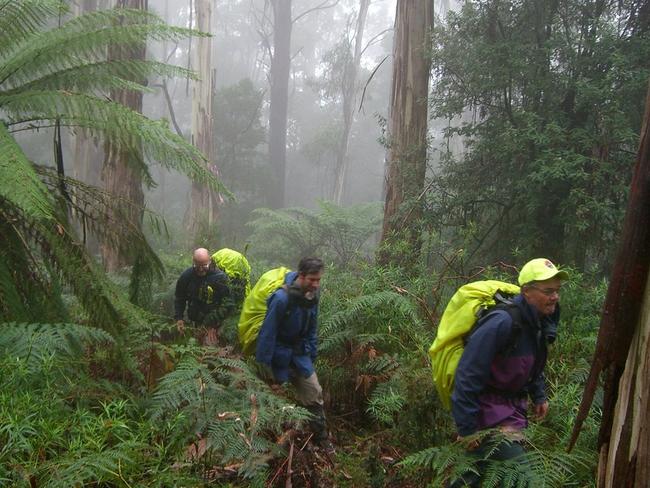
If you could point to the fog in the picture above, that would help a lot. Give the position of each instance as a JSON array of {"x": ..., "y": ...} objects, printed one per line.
[{"x": 323, "y": 37}]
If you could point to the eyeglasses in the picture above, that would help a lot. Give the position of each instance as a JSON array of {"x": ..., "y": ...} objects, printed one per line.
[
  {"x": 201, "y": 266},
  {"x": 549, "y": 292}
]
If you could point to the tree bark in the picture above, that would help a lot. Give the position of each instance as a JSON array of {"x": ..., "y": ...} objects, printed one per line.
[
  {"x": 120, "y": 174},
  {"x": 203, "y": 209},
  {"x": 407, "y": 129},
  {"x": 280, "y": 66},
  {"x": 349, "y": 92},
  {"x": 622, "y": 348}
]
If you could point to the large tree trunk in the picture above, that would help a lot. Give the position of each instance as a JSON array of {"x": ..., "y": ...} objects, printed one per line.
[
  {"x": 407, "y": 129},
  {"x": 121, "y": 178},
  {"x": 202, "y": 212},
  {"x": 622, "y": 348},
  {"x": 349, "y": 92},
  {"x": 280, "y": 65}
]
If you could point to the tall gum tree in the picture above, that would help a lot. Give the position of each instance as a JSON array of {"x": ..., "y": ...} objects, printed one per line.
[
  {"x": 407, "y": 128},
  {"x": 280, "y": 66},
  {"x": 121, "y": 177},
  {"x": 348, "y": 92},
  {"x": 204, "y": 204}
]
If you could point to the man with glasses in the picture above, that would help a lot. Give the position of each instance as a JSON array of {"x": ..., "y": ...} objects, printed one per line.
[
  {"x": 502, "y": 367},
  {"x": 203, "y": 290}
]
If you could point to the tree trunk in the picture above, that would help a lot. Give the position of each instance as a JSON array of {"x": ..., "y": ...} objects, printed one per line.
[
  {"x": 120, "y": 174},
  {"x": 280, "y": 65},
  {"x": 349, "y": 92},
  {"x": 622, "y": 348},
  {"x": 202, "y": 212},
  {"x": 407, "y": 129}
]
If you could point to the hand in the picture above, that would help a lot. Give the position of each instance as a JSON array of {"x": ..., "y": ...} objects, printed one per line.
[
  {"x": 541, "y": 410},
  {"x": 180, "y": 326},
  {"x": 469, "y": 442}
]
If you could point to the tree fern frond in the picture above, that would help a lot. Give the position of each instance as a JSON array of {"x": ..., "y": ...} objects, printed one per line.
[
  {"x": 34, "y": 344},
  {"x": 105, "y": 75},
  {"x": 127, "y": 129},
  {"x": 83, "y": 39},
  {"x": 19, "y": 184},
  {"x": 109, "y": 218},
  {"x": 21, "y": 20}
]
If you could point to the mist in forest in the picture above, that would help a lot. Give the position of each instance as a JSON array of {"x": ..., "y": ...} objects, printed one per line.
[{"x": 324, "y": 49}]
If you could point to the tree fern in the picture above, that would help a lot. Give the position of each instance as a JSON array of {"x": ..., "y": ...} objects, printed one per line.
[{"x": 62, "y": 75}]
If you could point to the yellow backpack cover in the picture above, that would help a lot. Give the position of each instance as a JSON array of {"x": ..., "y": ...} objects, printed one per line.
[
  {"x": 254, "y": 308},
  {"x": 234, "y": 264},
  {"x": 457, "y": 320}
]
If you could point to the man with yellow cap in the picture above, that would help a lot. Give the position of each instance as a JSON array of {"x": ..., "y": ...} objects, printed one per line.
[{"x": 502, "y": 368}]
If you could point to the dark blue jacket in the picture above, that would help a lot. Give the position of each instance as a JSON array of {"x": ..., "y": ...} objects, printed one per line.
[
  {"x": 288, "y": 338},
  {"x": 498, "y": 371},
  {"x": 201, "y": 295}
]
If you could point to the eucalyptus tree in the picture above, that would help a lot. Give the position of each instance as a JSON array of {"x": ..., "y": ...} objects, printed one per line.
[
  {"x": 407, "y": 130},
  {"x": 202, "y": 212},
  {"x": 348, "y": 92},
  {"x": 123, "y": 179},
  {"x": 61, "y": 75}
]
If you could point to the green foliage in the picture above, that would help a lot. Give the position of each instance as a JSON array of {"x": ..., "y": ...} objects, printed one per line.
[
  {"x": 61, "y": 76},
  {"x": 547, "y": 100},
  {"x": 337, "y": 234}
]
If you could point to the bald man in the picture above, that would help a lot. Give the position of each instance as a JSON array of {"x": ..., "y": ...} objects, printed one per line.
[{"x": 203, "y": 290}]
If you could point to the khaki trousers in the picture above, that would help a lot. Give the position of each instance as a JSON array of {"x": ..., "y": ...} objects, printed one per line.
[{"x": 308, "y": 390}]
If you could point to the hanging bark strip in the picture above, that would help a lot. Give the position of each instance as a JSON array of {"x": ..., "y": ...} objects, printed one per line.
[{"x": 619, "y": 324}]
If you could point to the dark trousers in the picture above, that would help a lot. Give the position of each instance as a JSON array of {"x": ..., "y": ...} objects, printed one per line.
[{"x": 489, "y": 451}]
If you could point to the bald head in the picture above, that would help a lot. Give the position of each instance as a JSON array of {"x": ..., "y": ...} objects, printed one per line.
[
  {"x": 201, "y": 261},
  {"x": 201, "y": 254}
]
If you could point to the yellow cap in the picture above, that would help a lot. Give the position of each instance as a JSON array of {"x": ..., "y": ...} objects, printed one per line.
[{"x": 540, "y": 269}]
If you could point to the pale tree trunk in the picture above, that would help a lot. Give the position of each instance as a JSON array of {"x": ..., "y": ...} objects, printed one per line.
[
  {"x": 202, "y": 212},
  {"x": 121, "y": 178},
  {"x": 88, "y": 149},
  {"x": 349, "y": 90},
  {"x": 407, "y": 128},
  {"x": 622, "y": 351},
  {"x": 280, "y": 66}
]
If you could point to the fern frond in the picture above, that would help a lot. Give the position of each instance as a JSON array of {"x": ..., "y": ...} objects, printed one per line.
[
  {"x": 21, "y": 20},
  {"x": 83, "y": 40},
  {"x": 127, "y": 129},
  {"x": 105, "y": 75}
]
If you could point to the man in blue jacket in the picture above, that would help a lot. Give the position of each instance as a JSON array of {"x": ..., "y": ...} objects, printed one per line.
[
  {"x": 502, "y": 367},
  {"x": 287, "y": 343},
  {"x": 203, "y": 290}
]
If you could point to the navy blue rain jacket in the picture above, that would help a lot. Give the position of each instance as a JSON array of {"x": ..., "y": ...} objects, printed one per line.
[
  {"x": 495, "y": 377},
  {"x": 199, "y": 294},
  {"x": 288, "y": 338}
]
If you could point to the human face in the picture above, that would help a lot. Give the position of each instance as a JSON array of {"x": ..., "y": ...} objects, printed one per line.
[
  {"x": 201, "y": 265},
  {"x": 543, "y": 295},
  {"x": 309, "y": 283}
]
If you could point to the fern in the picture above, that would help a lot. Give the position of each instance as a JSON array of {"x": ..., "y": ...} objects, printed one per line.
[
  {"x": 60, "y": 75},
  {"x": 34, "y": 344}
]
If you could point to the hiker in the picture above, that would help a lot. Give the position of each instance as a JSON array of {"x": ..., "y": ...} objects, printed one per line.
[
  {"x": 236, "y": 266},
  {"x": 502, "y": 366},
  {"x": 203, "y": 290},
  {"x": 287, "y": 341}
]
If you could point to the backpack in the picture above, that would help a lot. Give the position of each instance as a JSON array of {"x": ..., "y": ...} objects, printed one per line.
[
  {"x": 234, "y": 264},
  {"x": 470, "y": 303},
  {"x": 254, "y": 308}
]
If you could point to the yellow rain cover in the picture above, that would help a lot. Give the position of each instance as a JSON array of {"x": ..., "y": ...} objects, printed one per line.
[
  {"x": 457, "y": 320},
  {"x": 234, "y": 264},
  {"x": 254, "y": 308}
]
